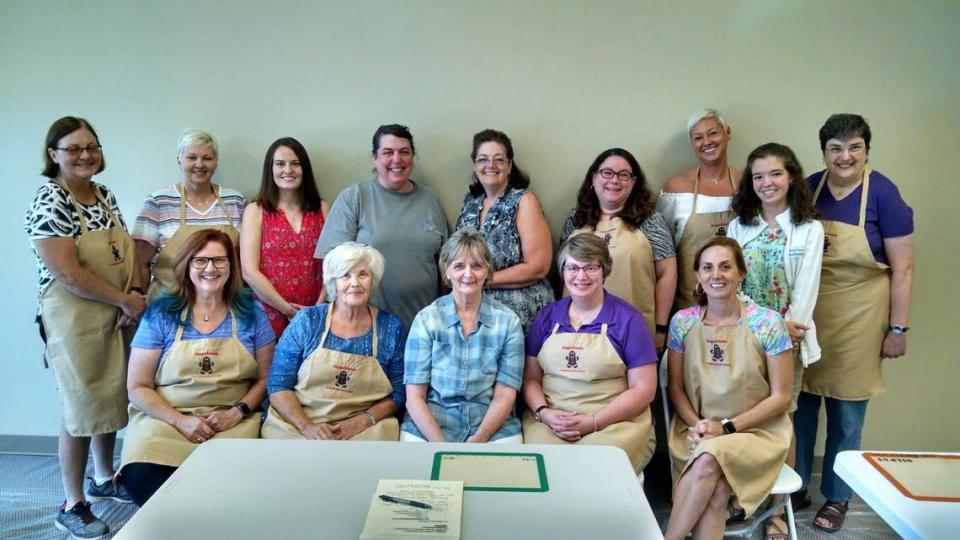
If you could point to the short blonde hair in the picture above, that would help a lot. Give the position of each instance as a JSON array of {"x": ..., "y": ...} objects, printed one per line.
[
  {"x": 467, "y": 241},
  {"x": 702, "y": 114},
  {"x": 195, "y": 137},
  {"x": 588, "y": 248},
  {"x": 342, "y": 258}
]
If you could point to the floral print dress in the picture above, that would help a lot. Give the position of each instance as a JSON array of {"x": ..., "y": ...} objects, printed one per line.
[
  {"x": 500, "y": 229},
  {"x": 286, "y": 259},
  {"x": 766, "y": 281}
]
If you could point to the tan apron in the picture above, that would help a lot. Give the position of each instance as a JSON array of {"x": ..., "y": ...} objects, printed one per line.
[
  {"x": 724, "y": 374},
  {"x": 197, "y": 376},
  {"x": 699, "y": 229},
  {"x": 852, "y": 312},
  {"x": 89, "y": 357},
  {"x": 584, "y": 373},
  {"x": 162, "y": 267},
  {"x": 633, "y": 277},
  {"x": 333, "y": 386}
]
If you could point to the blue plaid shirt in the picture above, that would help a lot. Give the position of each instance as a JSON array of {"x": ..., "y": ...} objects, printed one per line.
[{"x": 462, "y": 371}]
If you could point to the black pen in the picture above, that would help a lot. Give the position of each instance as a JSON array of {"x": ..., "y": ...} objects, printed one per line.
[{"x": 408, "y": 502}]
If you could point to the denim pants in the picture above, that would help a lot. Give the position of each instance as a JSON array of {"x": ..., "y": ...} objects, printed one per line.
[{"x": 844, "y": 427}]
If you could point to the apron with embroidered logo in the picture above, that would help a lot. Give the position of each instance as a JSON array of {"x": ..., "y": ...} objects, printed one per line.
[
  {"x": 633, "y": 277},
  {"x": 89, "y": 356},
  {"x": 197, "y": 376},
  {"x": 852, "y": 312},
  {"x": 333, "y": 386},
  {"x": 162, "y": 267},
  {"x": 724, "y": 374},
  {"x": 584, "y": 373},
  {"x": 698, "y": 230}
]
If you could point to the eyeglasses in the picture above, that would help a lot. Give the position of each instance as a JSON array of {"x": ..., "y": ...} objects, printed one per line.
[
  {"x": 572, "y": 269},
  {"x": 77, "y": 151},
  {"x": 483, "y": 161},
  {"x": 201, "y": 262},
  {"x": 608, "y": 174}
]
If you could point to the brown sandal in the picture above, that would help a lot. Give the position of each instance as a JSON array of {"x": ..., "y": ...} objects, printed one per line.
[
  {"x": 800, "y": 500},
  {"x": 832, "y": 512},
  {"x": 773, "y": 530}
]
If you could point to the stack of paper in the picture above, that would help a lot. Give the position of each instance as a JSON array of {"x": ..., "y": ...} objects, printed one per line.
[{"x": 404, "y": 509}]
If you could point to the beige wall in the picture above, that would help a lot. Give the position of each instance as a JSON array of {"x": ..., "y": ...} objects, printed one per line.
[{"x": 564, "y": 79}]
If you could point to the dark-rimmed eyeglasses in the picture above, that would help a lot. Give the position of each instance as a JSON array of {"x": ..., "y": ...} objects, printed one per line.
[
  {"x": 201, "y": 262},
  {"x": 77, "y": 151},
  {"x": 608, "y": 174}
]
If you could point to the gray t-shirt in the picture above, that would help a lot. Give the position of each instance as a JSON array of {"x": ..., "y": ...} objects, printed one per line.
[{"x": 407, "y": 228}]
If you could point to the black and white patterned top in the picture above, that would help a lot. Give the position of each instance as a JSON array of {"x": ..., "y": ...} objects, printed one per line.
[
  {"x": 500, "y": 229},
  {"x": 52, "y": 214}
]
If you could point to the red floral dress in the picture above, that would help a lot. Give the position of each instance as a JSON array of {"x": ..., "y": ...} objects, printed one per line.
[{"x": 286, "y": 259}]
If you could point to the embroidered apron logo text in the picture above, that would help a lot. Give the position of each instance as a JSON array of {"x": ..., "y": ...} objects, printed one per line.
[
  {"x": 718, "y": 356},
  {"x": 341, "y": 379}
]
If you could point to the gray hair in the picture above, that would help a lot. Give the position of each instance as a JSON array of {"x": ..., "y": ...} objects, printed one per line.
[
  {"x": 194, "y": 137},
  {"x": 588, "y": 248},
  {"x": 702, "y": 114},
  {"x": 342, "y": 258},
  {"x": 467, "y": 241}
]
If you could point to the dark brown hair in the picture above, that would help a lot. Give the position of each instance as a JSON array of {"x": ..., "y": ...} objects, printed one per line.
[
  {"x": 58, "y": 130},
  {"x": 746, "y": 204},
  {"x": 844, "y": 126},
  {"x": 396, "y": 130},
  {"x": 518, "y": 179},
  {"x": 307, "y": 195},
  {"x": 722, "y": 241},
  {"x": 638, "y": 206}
]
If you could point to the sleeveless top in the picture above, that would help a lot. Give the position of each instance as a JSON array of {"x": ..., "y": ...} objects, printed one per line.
[
  {"x": 500, "y": 229},
  {"x": 286, "y": 259}
]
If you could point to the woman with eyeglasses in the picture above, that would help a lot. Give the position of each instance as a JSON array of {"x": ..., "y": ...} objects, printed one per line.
[
  {"x": 198, "y": 365},
  {"x": 591, "y": 368},
  {"x": 279, "y": 234},
  {"x": 89, "y": 295},
  {"x": 615, "y": 204},
  {"x": 170, "y": 215},
  {"x": 511, "y": 219},
  {"x": 696, "y": 203}
]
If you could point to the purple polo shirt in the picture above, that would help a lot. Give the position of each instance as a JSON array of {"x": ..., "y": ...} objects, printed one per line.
[
  {"x": 625, "y": 329},
  {"x": 888, "y": 215}
]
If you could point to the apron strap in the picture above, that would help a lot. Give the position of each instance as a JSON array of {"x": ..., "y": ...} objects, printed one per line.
[
  {"x": 375, "y": 341},
  {"x": 603, "y": 329},
  {"x": 183, "y": 201},
  {"x": 556, "y": 326},
  {"x": 865, "y": 182},
  {"x": 696, "y": 187},
  {"x": 73, "y": 200}
]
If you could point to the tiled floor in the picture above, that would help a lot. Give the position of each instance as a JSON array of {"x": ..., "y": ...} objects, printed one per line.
[{"x": 30, "y": 491}]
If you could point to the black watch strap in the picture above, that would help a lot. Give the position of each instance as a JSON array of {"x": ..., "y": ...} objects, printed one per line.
[
  {"x": 728, "y": 426},
  {"x": 244, "y": 408}
]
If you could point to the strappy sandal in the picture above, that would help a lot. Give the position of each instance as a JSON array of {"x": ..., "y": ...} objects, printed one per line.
[
  {"x": 773, "y": 530},
  {"x": 832, "y": 512},
  {"x": 735, "y": 514},
  {"x": 800, "y": 500}
]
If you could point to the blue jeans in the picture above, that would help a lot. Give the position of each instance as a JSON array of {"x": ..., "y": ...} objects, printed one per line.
[{"x": 844, "y": 427}]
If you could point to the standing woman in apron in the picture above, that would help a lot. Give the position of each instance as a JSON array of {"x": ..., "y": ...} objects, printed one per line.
[
  {"x": 591, "y": 369},
  {"x": 279, "y": 234},
  {"x": 88, "y": 296},
  {"x": 338, "y": 369},
  {"x": 615, "y": 204},
  {"x": 172, "y": 214},
  {"x": 198, "y": 365},
  {"x": 696, "y": 203},
  {"x": 463, "y": 363},
  {"x": 862, "y": 308},
  {"x": 782, "y": 244},
  {"x": 730, "y": 372}
]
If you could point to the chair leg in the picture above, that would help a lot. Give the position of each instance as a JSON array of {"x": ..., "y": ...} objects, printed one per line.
[{"x": 791, "y": 524}]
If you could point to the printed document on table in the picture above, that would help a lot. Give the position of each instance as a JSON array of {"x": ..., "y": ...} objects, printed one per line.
[{"x": 403, "y": 509}]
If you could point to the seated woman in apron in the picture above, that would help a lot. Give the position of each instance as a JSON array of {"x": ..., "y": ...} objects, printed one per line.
[
  {"x": 696, "y": 203},
  {"x": 615, "y": 204},
  {"x": 782, "y": 244},
  {"x": 862, "y": 307},
  {"x": 172, "y": 214},
  {"x": 88, "y": 296},
  {"x": 730, "y": 373},
  {"x": 463, "y": 362},
  {"x": 198, "y": 365},
  {"x": 338, "y": 369},
  {"x": 591, "y": 369}
]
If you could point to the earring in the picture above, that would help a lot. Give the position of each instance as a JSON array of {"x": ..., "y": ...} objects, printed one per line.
[
  {"x": 740, "y": 288},
  {"x": 698, "y": 290}
]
